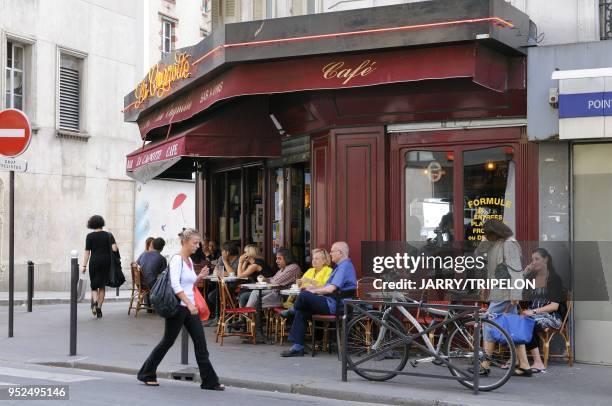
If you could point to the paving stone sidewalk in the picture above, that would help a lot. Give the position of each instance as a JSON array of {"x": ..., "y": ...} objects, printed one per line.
[{"x": 120, "y": 343}]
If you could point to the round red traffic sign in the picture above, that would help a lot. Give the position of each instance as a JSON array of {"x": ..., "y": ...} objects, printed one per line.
[{"x": 15, "y": 132}]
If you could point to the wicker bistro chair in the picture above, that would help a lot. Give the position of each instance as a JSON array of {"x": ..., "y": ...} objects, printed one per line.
[
  {"x": 330, "y": 322},
  {"x": 138, "y": 291},
  {"x": 547, "y": 335},
  {"x": 229, "y": 312}
]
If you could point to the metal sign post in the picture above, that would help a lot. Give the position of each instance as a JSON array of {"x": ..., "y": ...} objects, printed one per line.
[{"x": 15, "y": 135}]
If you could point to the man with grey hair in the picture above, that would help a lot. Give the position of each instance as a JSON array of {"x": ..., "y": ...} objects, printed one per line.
[{"x": 318, "y": 300}]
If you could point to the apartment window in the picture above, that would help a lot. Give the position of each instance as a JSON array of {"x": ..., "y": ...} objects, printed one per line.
[
  {"x": 70, "y": 81},
  {"x": 167, "y": 45},
  {"x": 15, "y": 75},
  {"x": 605, "y": 18}
]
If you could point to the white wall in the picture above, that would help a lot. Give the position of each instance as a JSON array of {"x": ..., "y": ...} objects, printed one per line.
[
  {"x": 563, "y": 21},
  {"x": 68, "y": 180},
  {"x": 156, "y": 215}
]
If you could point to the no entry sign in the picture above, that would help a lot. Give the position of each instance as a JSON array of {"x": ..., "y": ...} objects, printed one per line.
[{"x": 15, "y": 132}]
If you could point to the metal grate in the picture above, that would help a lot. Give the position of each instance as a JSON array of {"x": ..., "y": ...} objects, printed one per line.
[
  {"x": 69, "y": 99},
  {"x": 605, "y": 18}
]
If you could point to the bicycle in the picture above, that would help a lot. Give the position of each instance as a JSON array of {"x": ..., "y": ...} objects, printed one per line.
[{"x": 378, "y": 345}]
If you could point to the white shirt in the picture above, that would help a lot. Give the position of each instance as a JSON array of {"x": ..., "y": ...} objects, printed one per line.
[{"x": 182, "y": 277}]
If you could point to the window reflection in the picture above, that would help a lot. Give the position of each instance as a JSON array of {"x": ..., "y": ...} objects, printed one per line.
[
  {"x": 429, "y": 196},
  {"x": 489, "y": 177}
]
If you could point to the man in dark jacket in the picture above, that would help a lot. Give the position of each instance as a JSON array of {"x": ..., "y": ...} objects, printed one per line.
[{"x": 152, "y": 263}]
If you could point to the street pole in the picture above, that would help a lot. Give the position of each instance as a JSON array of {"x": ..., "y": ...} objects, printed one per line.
[
  {"x": 11, "y": 252},
  {"x": 30, "y": 284},
  {"x": 74, "y": 280},
  {"x": 184, "y": 347}
]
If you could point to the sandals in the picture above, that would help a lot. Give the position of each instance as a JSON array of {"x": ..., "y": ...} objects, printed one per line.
[
  {"x": 94, "y": 308},
  {"x": 218, "y": 387},
  {"x": 538, "y": 370},
  {"x": 482, "y": 372},
  {"x": 526, "y": 372},
  {"x": 151, "y": 383}
]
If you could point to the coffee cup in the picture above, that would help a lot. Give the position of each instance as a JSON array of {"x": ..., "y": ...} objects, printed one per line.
[
  {"x": 232, "y": 275},
  {"x": 295, "y": 287},
  {"x": 261, "y": 279}
]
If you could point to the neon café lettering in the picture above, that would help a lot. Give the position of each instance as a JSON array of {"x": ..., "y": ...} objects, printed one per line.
[
  {"x": 585, "y": 105},
  {"x": 160, "y": 78}
]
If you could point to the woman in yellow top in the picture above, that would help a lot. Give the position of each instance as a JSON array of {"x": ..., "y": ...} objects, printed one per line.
[
  {"x": 315, "y": 276},
  {"x": 320, "y": 271}
]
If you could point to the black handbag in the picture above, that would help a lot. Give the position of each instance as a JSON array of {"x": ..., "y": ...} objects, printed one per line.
[
  {"x": 502, "y": 270},
  {"x": 162, "y": 296},
  {"x": 116, "y": 278}
]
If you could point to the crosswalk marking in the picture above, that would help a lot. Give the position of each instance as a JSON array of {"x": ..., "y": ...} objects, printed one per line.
[{"x": 44, "y": 375}]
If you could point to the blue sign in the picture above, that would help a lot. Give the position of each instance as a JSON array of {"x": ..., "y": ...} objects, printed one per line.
[{"x": 585, "y": 105}]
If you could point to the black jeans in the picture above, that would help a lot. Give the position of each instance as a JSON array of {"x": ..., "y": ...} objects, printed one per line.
[{"x": 148, "y": 371}]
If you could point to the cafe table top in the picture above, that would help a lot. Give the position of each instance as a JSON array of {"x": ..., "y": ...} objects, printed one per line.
[{"x": 257, "y": 286}]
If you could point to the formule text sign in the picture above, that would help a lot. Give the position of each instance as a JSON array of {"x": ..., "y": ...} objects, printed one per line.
[{"x": 15, "y": 132}]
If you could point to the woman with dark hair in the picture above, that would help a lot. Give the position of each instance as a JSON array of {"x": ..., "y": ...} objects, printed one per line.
[
  {"x": 500, "y": 247},
  {"x": 288, "y": 273},
  {"x": 546, "y": 301},
  {"x": 98, "y": 245},
  {"x": 148, "y": 247}
]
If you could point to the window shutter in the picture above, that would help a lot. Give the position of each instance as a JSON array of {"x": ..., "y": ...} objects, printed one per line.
[
  {"x": 69, "y": 105},
  {"x": 258, "y": 9},
  {"x": 216, "y": 13},
  {"x": 230, "y": 8},
  {"x": 297, "y": 7}
]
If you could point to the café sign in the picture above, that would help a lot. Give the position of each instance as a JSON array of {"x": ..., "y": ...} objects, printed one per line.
[{"x": 160, "y": 78}]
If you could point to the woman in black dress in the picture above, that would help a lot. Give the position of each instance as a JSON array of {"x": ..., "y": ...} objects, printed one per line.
[{"x": 98, "y": 245}]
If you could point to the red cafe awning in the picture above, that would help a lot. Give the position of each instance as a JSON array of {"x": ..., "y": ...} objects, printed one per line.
[
  {"x": 241, "y": 129},
  {"x": 483, "y": 65}
]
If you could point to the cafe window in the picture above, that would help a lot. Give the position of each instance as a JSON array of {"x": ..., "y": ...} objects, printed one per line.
[
  {"x": 255, "y": 220},
  {"x": 429, "y": 195},
  {"x": 486, "y": 191},
  {"x": 221, "y": 208},
  {"x": 278, "y": 224},
  {"x": 489, "y": 178}
]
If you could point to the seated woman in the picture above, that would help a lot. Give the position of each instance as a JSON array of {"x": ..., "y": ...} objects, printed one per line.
[
  {"x": 288, "y": 273},
  {"x": 545, "y": 301},
  {"x": 316, "y": 276},
  {"x": 250, "y": 265}
]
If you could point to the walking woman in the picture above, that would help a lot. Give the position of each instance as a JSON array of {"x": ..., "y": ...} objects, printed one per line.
[
  {"x": 183, "y": 277},
  {"x": 502, "y": 248},
  {"x": 98, "y": 245}
]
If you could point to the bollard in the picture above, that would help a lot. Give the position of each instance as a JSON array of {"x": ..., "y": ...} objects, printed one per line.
[
  {"x": 117, "y": 294},
  {"x": 74, "y": 280},
  {"x": 30, "y": 284},
  {"x": 184, "y": 347}
]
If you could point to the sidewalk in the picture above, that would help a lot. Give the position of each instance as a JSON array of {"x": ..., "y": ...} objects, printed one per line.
[
  {"x": 120, "y": 343},
  {"x": 48, "y": 297}
]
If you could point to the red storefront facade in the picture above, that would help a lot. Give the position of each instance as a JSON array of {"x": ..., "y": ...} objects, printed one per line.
[{"x": 374, "y": 133}]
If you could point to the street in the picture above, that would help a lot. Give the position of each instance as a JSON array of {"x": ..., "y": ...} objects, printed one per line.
[{"x": 104, "y": 388}]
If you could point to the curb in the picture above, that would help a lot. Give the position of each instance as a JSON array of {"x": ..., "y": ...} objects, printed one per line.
[{"x": 298, "y": 389}]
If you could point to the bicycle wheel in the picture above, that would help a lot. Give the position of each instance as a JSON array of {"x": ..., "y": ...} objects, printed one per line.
[
  {"x": 391, "y": 353},
  {"x": 498, "y": 357}
]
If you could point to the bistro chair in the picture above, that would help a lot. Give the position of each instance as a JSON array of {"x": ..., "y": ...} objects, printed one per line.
[
  {"x": 330, "y": 322},
  {"x": 138, "y": 291},
  {"x": 547, "y": 335},
  {"x": 229, "y": 313}
]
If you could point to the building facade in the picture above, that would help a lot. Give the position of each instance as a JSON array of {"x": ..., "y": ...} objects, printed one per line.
[
  {"x": 67, "y": 65},
  {"x": 298, "y": 143}
]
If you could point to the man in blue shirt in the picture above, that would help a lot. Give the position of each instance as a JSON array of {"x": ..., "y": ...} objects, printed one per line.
[{"x": 312, "y": 300}]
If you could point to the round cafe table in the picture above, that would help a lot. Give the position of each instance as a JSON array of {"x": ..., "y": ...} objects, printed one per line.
[
  {"x": 226, "y": 279},
  {"x": 260, "y": 336}
]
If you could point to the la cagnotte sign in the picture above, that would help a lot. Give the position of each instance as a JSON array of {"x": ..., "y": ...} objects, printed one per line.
[{"x": 159, "y": 80}]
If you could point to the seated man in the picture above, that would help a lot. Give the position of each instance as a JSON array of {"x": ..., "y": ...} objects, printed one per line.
[
  {"x": 311, "y": 301},
  {"x": 152, "y": 263},
  {"x": 227, "y": 265}
]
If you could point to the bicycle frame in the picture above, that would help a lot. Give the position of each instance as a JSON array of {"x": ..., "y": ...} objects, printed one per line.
[{"x": 464, "y": 311}]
